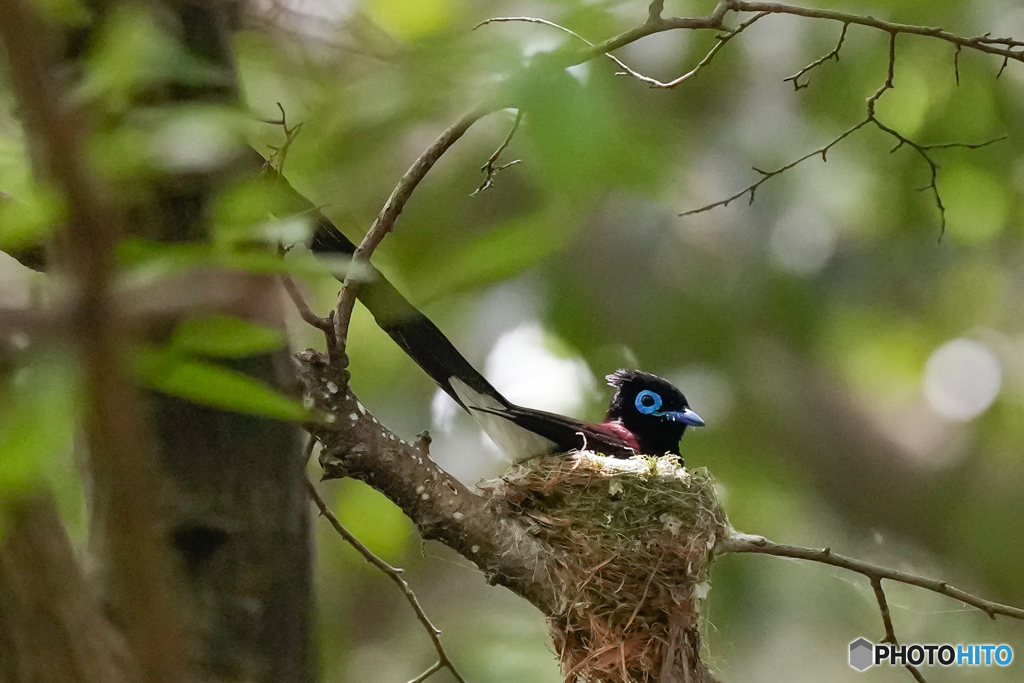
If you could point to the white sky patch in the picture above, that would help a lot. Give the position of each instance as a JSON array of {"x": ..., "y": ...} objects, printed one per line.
[
  {"x": 802, "y": 242},
  {"x": 962, "y": 379},
  {"x": 523, "y": 368}
]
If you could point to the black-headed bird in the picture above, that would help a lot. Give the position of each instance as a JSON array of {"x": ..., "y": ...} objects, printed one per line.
[{"x": 647, "y": 414}]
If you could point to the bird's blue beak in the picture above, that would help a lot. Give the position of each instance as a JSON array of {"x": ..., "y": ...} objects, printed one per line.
[{"x": 685, "y": 416}]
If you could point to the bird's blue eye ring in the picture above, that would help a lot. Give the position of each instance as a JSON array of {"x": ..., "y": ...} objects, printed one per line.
[{"x": 648, "y": 402}]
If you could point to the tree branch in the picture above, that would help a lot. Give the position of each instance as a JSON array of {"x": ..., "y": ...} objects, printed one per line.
[
  {"x": 356, "y": 445},
  {"x": 395, "y": 574},
  {"x": 890, "y": 632},
  {"x": 870, "y": 118},
  {"x": 1004, "y": 47},
  {"x": 489, "y": 169},
  {"x": 720, "y": 41},
  {"x": 388, "y": 216},
  {"x": 744, "y": 543},
  {"x": 833, "y": 54}
]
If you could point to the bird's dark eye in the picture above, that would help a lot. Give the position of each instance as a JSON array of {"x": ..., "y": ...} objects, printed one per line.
[{"x": 647, "y": 402}]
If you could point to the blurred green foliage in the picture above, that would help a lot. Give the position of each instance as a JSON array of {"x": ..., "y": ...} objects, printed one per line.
[{"x": 802, "y": 326}]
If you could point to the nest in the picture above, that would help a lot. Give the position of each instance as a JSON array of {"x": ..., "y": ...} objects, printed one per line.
[{"x": 636, "y": 539}]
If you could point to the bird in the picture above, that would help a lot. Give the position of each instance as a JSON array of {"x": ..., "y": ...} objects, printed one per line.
[{"x": 647, "y": 415}]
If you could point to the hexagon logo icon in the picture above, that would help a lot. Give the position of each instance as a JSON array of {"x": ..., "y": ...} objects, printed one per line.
[{"x": 862, "y": 654}]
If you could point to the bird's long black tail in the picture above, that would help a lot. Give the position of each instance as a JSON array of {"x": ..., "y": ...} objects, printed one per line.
[
  {"x": 407, "y": 325},
  {"x": 520, "y": 432}
]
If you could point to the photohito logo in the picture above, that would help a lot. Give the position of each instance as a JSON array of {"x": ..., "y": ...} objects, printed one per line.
[{"x": 864, "y": 654}]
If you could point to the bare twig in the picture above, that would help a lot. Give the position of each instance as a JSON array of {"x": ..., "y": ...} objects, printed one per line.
[
  {"x": 433, "y": 669},
  {"x": 870, "y": 118},
  {"x": 489, "y": 169},
  {"x": 1006, "y": 61},
  {"x": 890, "y": 632},
  {"x": 744, "y": 543},
  {"x": 395, "y": 574},
  {"x": 1007, "y": 48},
  {"x": 1004, "y": 47},
  {"x": 720, "y": 41},
  {"x": 655, "y": 9},
  {"x": 768, "y": 175},
  {"x": 323, "y": 324},
  {"x": 280, "y": 153},
  {"x": 833, "y": 54},
  {"x": 388, "y": 216}
]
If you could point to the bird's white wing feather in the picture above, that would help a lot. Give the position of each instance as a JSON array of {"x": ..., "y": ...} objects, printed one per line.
[{"x": 514, "y": 441}]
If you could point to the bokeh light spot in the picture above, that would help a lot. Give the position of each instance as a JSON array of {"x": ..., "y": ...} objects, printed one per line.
[{"x": 962, "y": 379}]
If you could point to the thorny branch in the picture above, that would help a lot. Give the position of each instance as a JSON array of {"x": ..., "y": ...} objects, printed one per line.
[
  {"x": 833, "y": 54},
  {"x": 395, "y": 574},
  {"x": 768, "y": 175},
  {"x": 325, "y": 325},
  {"x": 870, "y": 118},
  {"x": 1007, "y": 48},
  {"x": 489, "y": 169}
]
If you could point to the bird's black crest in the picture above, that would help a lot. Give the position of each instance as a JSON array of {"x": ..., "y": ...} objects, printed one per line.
[{"x": 621, "y": 377}]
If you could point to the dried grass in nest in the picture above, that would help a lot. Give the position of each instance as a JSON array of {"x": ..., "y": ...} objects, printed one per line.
[{"x": 636, "y": 537}]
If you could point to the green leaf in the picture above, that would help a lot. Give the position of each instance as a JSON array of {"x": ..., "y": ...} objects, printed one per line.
[
  {"x": 501, "y": 253},
  {"x": 221, "y": 335},
  {"x": 29, "y": 218},
  {"x": 153, "y": 259},
  {"x": 213, "y": 385},
  {"x": 38, "y": 412}
]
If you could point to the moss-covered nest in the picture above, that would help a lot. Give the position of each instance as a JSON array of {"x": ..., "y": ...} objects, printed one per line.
[{"x": 636, "y": 538}]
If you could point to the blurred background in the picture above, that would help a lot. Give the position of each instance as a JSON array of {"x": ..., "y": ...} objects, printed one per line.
[{"x": 861, "y": 371}]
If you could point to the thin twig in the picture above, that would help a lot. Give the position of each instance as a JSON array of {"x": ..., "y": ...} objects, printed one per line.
[
  {"x": 890, "y": 632},
  {"x": 388, "y": 216},
  {"x": 1006, "y": 61},
  {"x": 279, "y": 154},
  {"x": 768, "y": 175},
  {"x": 1008, "y": 48},
  {"x": 433, "y": 669},
  {"x": 720, "y": 39},
  {"x": 834, "y": 54},
  {"x": 311, "y": 318},
  {"x": 489, "y": 169},
  {"x": 744, "y": 543},
  {"x": 395, "y": 574},
  {"x": 870, "y": 118}
]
